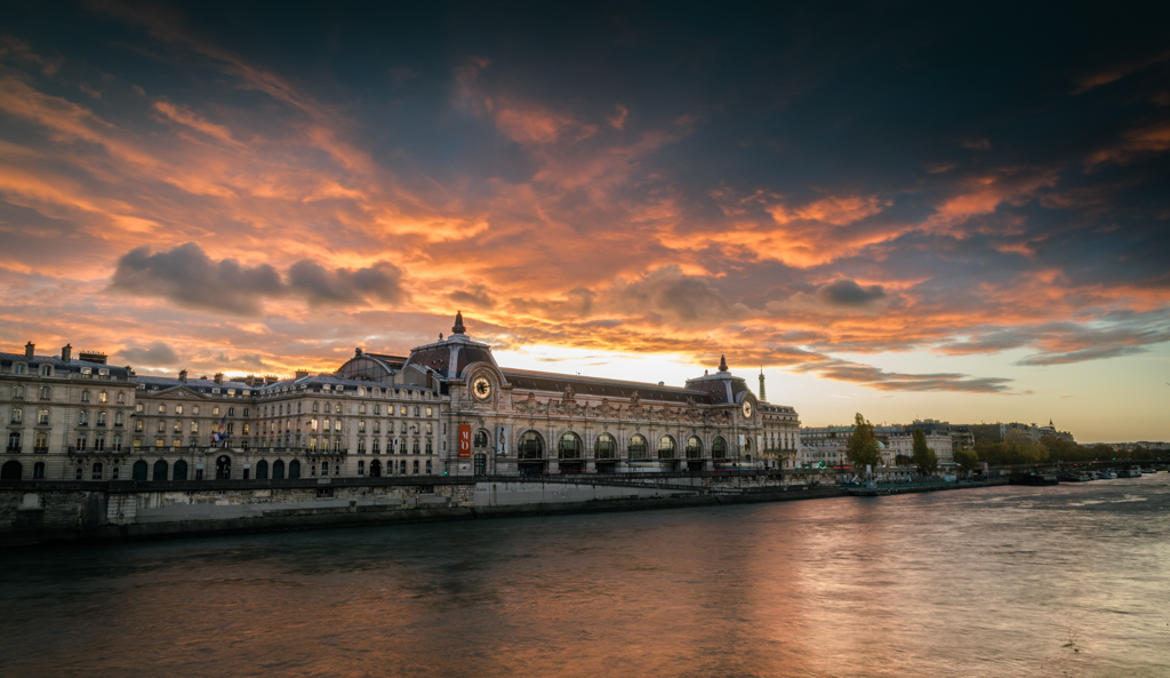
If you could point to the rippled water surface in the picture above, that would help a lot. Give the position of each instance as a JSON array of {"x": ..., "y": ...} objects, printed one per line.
[{"x": 1011, "y": 581}]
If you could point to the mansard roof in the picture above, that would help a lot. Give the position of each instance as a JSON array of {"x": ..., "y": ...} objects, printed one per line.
[
  {"x": 74, "y": 365},
  {"x": 610, "y": 388}
]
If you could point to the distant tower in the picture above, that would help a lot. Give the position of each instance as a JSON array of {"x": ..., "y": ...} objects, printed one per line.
[
  {"x": 763, "y": 396},
  {"x": 458, "y": 328}
]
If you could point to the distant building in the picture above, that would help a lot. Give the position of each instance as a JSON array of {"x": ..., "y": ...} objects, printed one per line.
[
  {"x": 828, "y": 445},
  {"x": 446, "y": 408}
]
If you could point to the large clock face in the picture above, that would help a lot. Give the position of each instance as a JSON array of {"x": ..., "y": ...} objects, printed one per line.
[
  {"x": 481, "y": 387},
  {"x": 747, "y": 409}
]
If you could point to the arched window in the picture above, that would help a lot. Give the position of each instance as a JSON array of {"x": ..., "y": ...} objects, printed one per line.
[
  {"x": 481, "y": 438},
  {"x": 39, "y": 470},
  {"x": 14, "y": 441},
  {"x": 160, "y": 470},
  {"x": 719, "y": 448},
  {"x": 262, "y": 470},
  {"x": 414, "y": 446},
  {"x": 570, "y": 446},
  {"x": 666, "y": 447},
  {"x": 138, "y": 471},
  {"x": 361, "y": 468},
  {"x": 294, "y": 469},
  {"x": 375, "y": 468},
  {"x": 694, "y": 447},
  {"x": 179, "y": 472},
  {"x": 429, "y": 471},
  {"x": 637, "y": 447},
  {"x": 223, "y": 467},
  {"x": 531, "y": 446},
  {"x": 604, "y": 447},
  {"x": 96, "y": 470},
  {"x": 278, "y": 469},
  {"x": 324, "y": 468}
]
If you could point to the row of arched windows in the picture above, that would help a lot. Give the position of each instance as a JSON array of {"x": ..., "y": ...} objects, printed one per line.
[{"x": 531, "y": 446}]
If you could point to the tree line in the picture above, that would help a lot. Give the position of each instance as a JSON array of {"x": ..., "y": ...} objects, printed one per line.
[{"x": 1017, "y": 447}]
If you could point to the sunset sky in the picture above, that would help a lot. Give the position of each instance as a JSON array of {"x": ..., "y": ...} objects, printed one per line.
[{"x": 953, "y": 212}]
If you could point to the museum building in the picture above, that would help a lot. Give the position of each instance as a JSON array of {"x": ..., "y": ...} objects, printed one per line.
[{"x": 446, "y": 408}]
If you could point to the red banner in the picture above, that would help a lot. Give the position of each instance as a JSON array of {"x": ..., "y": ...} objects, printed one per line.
[{"x": 464, "y": 441}]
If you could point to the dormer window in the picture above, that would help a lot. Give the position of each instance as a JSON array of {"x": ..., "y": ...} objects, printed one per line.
[
  {"x": 46, "y": 370},
  {"x": 18, "y": 368}
]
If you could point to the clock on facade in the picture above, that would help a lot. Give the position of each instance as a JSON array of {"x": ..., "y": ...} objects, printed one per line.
[
  {"x": 747, "y": 409},
  {"x": 481, "y": 387}
]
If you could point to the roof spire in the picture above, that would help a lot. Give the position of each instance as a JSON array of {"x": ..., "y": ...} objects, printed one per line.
[
  {"x": 762, "y": 396},
  {"x": 722, "y": 362},
  {"x": 458, "y": 328}
]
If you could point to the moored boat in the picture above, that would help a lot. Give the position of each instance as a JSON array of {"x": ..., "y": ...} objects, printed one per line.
[{"x": 1034, "y": 479}]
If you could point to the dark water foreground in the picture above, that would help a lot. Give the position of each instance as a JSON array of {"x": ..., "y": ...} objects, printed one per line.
[{"x": 1006, "y": 581}]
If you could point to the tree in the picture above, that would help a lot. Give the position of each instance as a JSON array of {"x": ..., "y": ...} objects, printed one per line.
[
  {"x": 924, "y": 457},
  {"x": 863, "y": 447},
  {"x": 966, "y": 459}
]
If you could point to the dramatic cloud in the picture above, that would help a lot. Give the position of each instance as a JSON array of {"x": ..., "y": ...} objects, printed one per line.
[
  {"x": 876, "y": 378},
  {"x": 187, "y": 276},
  {"x": 156, "y": 354},
  {"x": 476, "y": 297},
  {"x": 788, "y": 191},
  {"x": 380, "y": 282},
  {"x": 849, "y": 293}
]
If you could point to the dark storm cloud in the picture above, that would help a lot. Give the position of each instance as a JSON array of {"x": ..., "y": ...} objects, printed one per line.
[
  {"x": 380, "y": 282},
  {"x": 848, "y": 293},
  {"x": 187, "y": 276},
  {"x": 156, "y": 353}
]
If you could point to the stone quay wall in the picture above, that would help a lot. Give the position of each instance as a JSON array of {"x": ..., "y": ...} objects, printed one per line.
[{"x": 42, "y": 512}]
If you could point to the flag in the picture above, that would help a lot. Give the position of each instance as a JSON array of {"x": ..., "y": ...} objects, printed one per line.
[{"x": 221, "y": 434}]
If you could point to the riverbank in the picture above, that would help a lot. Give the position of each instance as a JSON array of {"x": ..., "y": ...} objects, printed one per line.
[{"x": 85, "y": 513}]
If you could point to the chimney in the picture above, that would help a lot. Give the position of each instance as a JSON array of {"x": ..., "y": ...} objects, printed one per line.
[
  {"x": 301, "y": 374},
  {"x": 219, "y": 377},
  {"x": 183, "y": 376},
  {"x": 29, "y": 348},
  {"x": 271, "y": 379},
  {"x": 66, "y": 352}
]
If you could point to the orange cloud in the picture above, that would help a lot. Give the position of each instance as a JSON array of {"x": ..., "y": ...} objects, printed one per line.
[
  {"x": 837, "y": 211},
  {"x": 184, "y": 116}
]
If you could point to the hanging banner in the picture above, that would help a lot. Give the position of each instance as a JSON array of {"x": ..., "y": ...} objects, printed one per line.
[{"x": 464, "y": 441}]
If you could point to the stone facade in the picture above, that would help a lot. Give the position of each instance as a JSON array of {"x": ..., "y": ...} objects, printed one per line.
[{"x": 446, "y": 408}]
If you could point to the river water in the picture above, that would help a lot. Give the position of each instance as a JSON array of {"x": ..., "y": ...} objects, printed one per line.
[{"x": 1008, "y": 581}]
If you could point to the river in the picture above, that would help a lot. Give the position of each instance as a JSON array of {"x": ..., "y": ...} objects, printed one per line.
[{"x": 1004, "y": 581}]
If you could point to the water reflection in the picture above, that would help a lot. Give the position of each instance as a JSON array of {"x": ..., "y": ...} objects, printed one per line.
[{"x": 1005, "y": 581}]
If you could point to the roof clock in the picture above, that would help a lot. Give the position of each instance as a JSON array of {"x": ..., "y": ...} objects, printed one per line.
[
  {"x": 481, "y": 388},
  {"x": 747, "y": 409}
]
